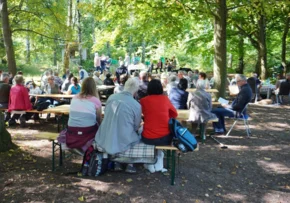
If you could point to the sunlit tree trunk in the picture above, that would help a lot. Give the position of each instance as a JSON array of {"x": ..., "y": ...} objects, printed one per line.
[
  {"x": 284, "y": 43},
  {"x": 79, "y": 33},
  {"x": 68, "y": 37},
  {"x": 7, "y": 35},
  {"x": 262, "y": 46},
  {"x": 241, "y": 53},
  {"x": 143, "y": 51},
  {"x": 220, "y": 47}
]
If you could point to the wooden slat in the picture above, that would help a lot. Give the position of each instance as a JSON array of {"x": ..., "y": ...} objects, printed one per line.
[
  {"x": 166, "y": 147},
  {"x": 47, "y": 135}
]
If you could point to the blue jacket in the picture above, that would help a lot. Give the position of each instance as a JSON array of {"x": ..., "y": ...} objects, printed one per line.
[{"x": 178, "y": 98}]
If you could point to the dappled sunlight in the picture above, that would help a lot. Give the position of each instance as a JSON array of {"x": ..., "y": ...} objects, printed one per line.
[
  {"x": 275, "y": 196},
  {"x": 235, "y": 197},
  {"x": 273, "y": 167},
  {"x": 257, "y": 148},
  {"x": 33, "y": 143}
]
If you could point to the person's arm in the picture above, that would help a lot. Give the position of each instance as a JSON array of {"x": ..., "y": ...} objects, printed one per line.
[
  {"x": 26, "y": 100},
  {"x": 172, "y": 110},
  {"x": 82, "y": 75},
  {"x": 138, "y": 118},
  {"x": 188, "y": 103},
  {"x": 99, "y": 115}
]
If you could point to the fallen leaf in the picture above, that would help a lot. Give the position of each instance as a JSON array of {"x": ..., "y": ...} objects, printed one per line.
[
  {"x": 210, "y": 189},
  {"x": 267, "y": 159},
  {"x": 129, "y": 180},
  {"x": 207, "y": 195},
  {"x": 219, "y": 186},
  {"x": 119, "y": 193},
  {"x": 81, "y": 199}
]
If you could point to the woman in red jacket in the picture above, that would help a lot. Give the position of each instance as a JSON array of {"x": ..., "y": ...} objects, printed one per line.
[
  {"x": 157, "y": 110},
  {"x": 19, "y": 100}
]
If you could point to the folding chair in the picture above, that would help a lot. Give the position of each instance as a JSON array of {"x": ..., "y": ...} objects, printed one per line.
[{"x": 241, "y": 116}]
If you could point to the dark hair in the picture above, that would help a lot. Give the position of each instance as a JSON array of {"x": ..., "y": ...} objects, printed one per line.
[
  {"x": 108, "y": 75},
  {"x": 183, "y": 83},
  {"x": 70, "y": 76},
  {"x": 123, "y": 78},
  {"x": 154, "y": 87},
  {"x": 203, "y": 75},
  {"x": 75, "y": 80}
]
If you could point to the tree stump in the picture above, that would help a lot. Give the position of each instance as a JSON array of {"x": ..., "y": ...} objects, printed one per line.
[{"x": 5, "y": 137}]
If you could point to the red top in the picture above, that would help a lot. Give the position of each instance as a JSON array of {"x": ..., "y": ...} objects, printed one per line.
[
  {"x": 19, "y": 98},
  {"x": 157, "y": 111}
]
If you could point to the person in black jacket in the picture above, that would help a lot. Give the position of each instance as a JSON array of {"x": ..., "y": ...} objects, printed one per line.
[{"x": 242, "y": 99}]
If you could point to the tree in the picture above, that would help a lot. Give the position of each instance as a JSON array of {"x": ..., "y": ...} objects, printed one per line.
[{"x": 7, "y": 35}]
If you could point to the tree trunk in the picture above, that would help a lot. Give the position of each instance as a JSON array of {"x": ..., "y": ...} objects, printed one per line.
[
  {"x": 108, "y": 49},
  {"x": 79, "y": 33},
  {"x": 284, "y": 42},
  {"x": 262, "y": 46},
  {"x": 28, "y": 49},
  {"x": 143, "y": 51},
  {"x": 68, "y": 37},
  {"x": 5, "y": 137},
  {"x": 55, "y": 51},
  {"x": 241, "y": 53},
  {"x": 220, "y": 47},
  {"x": 7, "y": 37}
]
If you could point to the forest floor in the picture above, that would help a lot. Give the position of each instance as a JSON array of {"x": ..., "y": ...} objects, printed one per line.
[{"x": 249, "y": 170}]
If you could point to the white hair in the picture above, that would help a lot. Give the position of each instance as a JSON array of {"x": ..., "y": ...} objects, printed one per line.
[
  {"x": 200, "y": 84},
  {"x": 240, "y": 77},
  {"x": 172, "y": 78},
  {"x": 163, "y": 76},
  {"x": 5, "y": 76},
  {"x": 131, "y": 85}
]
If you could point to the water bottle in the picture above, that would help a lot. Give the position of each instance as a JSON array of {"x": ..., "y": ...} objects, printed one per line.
[
  {"x": 85, "y": 169},
  {"x": 181, "y": 147}
]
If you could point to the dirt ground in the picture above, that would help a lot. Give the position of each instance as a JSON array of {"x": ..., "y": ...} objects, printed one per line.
[{"x": 250, "y": 170}]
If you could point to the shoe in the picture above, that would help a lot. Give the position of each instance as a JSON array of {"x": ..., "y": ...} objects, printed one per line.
[
  {"x": 117, "y": 167},
  {"x": 150, "y": 167},
  {"x": 22, "y": 122},
  {"x": 11, "y": 122},
  {"x": 159, "y": 164},
  {"x": 130, "y": 169},
  {"x": 217, "y": 133}
]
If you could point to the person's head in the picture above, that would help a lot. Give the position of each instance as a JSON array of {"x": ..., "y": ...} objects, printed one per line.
[
  {"x": 108, "y": 75},
  {"x": 200, "y": 85},
  {"x": 143, "y": 75},
  {"x": 136, "y": 74},
  {"x": 50, "y": 80},
  {"x": 255, "y": 75},
  {"x": 190, "y": 73},
  {"x": 5, "y": 77},
  {"x": 132, "y": 86},
  {"x": 123, "y": 79},
  {"x": 19, "y": 79},
  {"x": 96, "y": 73},
  {"x": 155, "y": 87},
  {"x": 180, "y": 74},
  {"x": 172, "y": 78},
  {"x": 183, "y": 84},
  {"x": 19, "y": 73},
  {"x": 240, "y": 79},
  {"x": 70, "y": 76},
  {"x": 288, "y": 76},
  {"x": 55, "y": 73},
  {"x": 88, "y": 88},
  {"x": 74, "y": 81},
  {"x": 202, "y": 76},
  {"x": 196, "y": 72}
]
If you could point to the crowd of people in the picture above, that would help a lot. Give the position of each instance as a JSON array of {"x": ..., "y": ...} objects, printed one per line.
[{"x": 137, "y": 110}]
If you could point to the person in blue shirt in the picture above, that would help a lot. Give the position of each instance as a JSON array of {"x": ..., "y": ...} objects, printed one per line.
[
  {"x": 74, "y": 88},
  {"x": 178, "y": 96}
]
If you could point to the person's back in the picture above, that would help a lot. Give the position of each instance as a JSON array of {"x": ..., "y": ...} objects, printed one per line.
[
  {"x": 122, "y": 119},
  {"x": 4, "y": 91},
  {"x": 178, "y": 96}
]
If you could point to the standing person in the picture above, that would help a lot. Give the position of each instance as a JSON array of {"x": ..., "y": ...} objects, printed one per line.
[
  {"x": 120, "y": 71},
  {"x": 127, "y": 60},
  {"x": 117, "y": 134},
  {"x": 74, "y": 88},
  {"x": 242, "y": 99},
  {"x": 103, "y": 62},
  {"x": 97, "y": 62},
  {"x": 82, "y": 74},
  {"x": 174, "y": 62},
  {"x": 160, "y": 65},
  {"x": 120, "y": 62},
  {"x": 108, "y": 63},
  {"x": 84, "y": 117}
]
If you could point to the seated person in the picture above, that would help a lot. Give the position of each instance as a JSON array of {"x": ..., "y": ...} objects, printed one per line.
[
  {"x": 84, "y": 117},
  {"x": 202, "y": 76},
  {"x": 142, "y": 92},
  {"x": 242, "y": 99},
  {"x": 33, "y": 90},
  {"x": 57, "y": 79},
  {"x": 108, "y": 81},
  {"x": 4, "y": 91},
  {"x": 157, "y": 111},
  {"x": 66, "y": 83},
  {"x": 199, "y": 104},
  {"x": 171, "y": 83},
  {"x": 119, "y": 88},
  {"x": 122, "y": 119},
  {"x": 178, "y": 96},
  {"x": 51, "y": 87},
  {"x": 19, "y": 100},
  {"x": 284, "y": 91},
  {"x": 96, "y": 77},
  {"x": 74, "y": 88}
]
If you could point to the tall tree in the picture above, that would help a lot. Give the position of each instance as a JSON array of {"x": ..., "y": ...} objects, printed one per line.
[
  {"x": 284, "y": 43},
  {"x": 7, "y": 35},
  {"x": 68, "y": 37}
]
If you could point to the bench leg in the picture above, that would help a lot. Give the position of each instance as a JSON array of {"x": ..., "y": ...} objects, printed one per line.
[
  {"x": 53, "y": 149},
  {"x": 60, "y": 155},
  {"x": 173, "y": 167},
  {"x": 168, "y": 154}
]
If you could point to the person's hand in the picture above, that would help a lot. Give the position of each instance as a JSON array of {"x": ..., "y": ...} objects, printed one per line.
[{"x": 226, "y": 105}]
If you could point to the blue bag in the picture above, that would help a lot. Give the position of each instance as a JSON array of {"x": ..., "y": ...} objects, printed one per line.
[{"x": 182, "y": 138}]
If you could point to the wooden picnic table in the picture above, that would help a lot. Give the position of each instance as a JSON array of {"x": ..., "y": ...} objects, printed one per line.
[
  {"x": 105, "y": 87},
  {"x": 207, "y": 90},
  {"x": 62, "y": 109},
  {"x": 56, "y": 96}
]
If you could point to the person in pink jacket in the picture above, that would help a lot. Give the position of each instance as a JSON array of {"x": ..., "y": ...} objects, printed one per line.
[{"x": 19, "y": 100}]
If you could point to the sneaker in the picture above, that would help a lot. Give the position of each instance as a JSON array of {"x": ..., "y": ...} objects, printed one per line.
[
  {"x": 117, "y": 167},
  {"x": 130, "y": 169},
  {"x": 22, "y": 122}
]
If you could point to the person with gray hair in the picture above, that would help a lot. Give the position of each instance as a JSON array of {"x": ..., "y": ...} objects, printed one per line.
[
  {"x": 118, "y": 131},
  {"x": 172, "y": 83},
  {"x": 237, "y": 106},
  {"x": 199, "y": 104},
  {"x": 142, "y": 92}
]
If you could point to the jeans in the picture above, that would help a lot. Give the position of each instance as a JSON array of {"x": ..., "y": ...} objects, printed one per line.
[
  {"x": 166, "y": 140},
  {"x": 219, "y": 127}
]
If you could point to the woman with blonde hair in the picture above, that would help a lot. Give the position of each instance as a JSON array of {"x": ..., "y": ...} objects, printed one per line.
[{"x": 84, "y": 117}]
